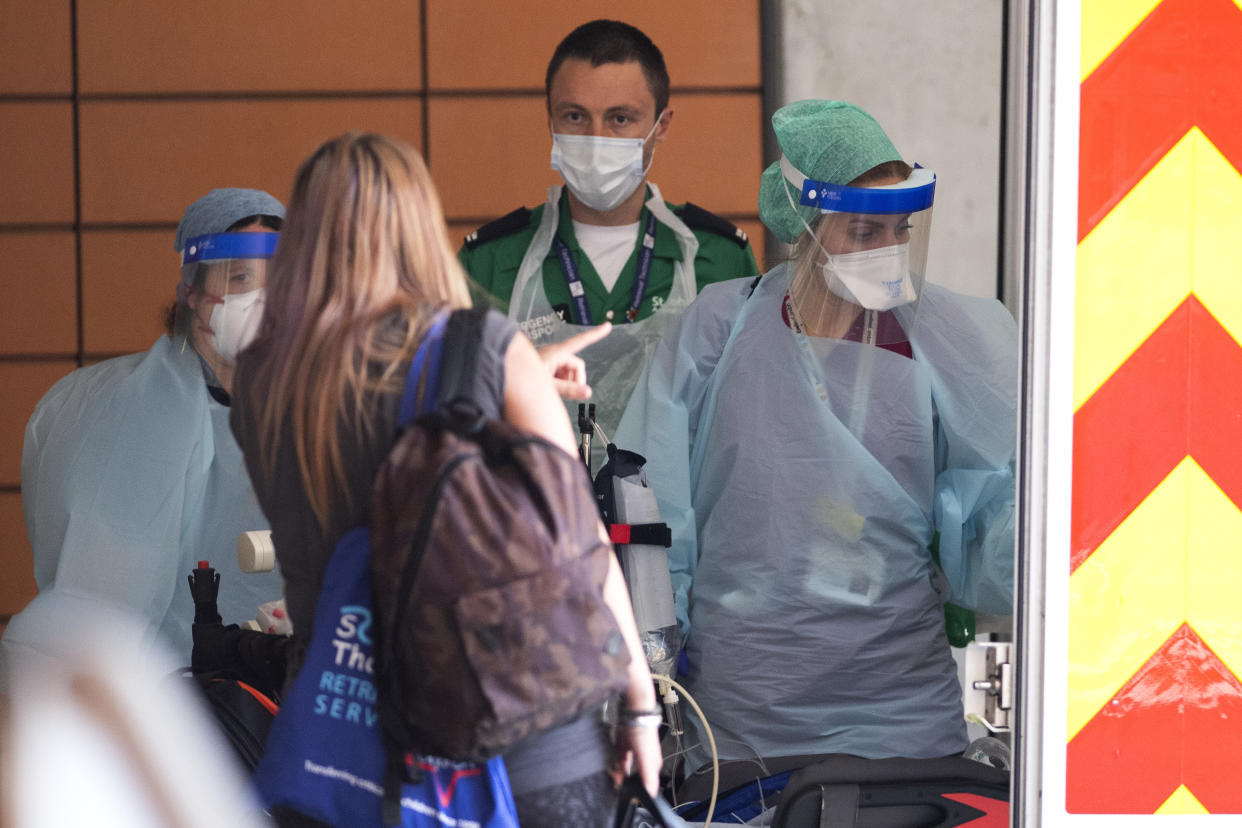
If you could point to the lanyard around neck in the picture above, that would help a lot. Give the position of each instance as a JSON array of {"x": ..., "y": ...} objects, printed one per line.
[{"x": 642, "y": 274}]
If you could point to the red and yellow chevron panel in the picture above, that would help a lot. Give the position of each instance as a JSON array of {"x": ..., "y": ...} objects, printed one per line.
[
  {"x": 1179, "y": 393},
  {"x": 1155, "y": 617},
  {"x": 1148, "y": 741},
  {"x": 1178, "y": 68}
]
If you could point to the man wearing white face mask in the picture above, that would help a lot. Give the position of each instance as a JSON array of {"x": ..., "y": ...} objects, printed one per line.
[
  {"x": 130, "y": 473},
  {"x": 605, "y": 247},
  {"x": 811, "y": 438}
]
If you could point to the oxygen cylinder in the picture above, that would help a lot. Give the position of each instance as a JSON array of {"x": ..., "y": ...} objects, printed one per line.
[{"x": 629, "y": 506}]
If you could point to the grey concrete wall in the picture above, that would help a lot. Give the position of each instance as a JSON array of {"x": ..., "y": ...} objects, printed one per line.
[{"x": 930, "y": 73}]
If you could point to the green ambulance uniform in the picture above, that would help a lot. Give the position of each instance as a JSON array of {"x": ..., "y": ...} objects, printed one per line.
[
  {"x": 492, "y": 254},
  {"x": 515, "y": 267}
]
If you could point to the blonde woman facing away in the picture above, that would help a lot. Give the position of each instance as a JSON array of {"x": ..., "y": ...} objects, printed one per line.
[{"x": 362, "y": 268}]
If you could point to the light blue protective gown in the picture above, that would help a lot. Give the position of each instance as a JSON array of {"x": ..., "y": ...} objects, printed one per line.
[
  {"x": 801, "y": 524},
  {"x": 130, "y": 476}
]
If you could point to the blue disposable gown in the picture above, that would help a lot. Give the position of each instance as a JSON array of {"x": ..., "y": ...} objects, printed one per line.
[
  {"x": 130, "y": 476},
  {"x": 804, "y": 480}
]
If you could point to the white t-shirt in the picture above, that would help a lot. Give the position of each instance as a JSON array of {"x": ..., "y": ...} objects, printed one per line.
[{"x": 608, "y": 248}]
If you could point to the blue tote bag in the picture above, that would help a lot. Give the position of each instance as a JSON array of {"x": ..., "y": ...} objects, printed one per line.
[{"x": 325, "y": 754}]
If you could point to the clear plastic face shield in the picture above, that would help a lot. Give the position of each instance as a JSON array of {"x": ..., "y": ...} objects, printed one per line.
[
  {"x": 859, "y": 268},
  {"x": 223, "y": 276}
]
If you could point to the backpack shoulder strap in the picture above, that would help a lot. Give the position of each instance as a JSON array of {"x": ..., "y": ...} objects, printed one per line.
[
  {"x": 422, "y": 387},
  {"x": 463, "y": 339}
]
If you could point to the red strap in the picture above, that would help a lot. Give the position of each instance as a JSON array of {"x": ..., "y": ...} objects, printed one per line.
[
  {"x": 267, "y": 703},
  {"x": 619, "y": 532}
]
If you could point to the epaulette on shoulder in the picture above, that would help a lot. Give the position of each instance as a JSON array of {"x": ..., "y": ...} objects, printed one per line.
[
  {"x": 696, "y": 218},
  {"x": 506, "y": 225}
]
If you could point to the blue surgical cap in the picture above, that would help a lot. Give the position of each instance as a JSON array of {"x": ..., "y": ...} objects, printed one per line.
[{"x": 220, "y": 209}]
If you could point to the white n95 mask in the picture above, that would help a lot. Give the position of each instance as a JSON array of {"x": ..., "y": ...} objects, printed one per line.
[
  {"x": 235, "y": 322},
  {"x": 876, "y": 279}
]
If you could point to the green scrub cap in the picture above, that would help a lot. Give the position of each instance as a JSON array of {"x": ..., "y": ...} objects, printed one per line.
[{"x": 830, "y": 141}]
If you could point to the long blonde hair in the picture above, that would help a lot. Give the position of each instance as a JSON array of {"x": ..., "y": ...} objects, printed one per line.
[{"x": 364, "y": 237}]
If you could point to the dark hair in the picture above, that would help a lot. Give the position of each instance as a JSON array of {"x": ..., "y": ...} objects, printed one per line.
[
  {"x": 611, "y": 41},
  {"x": 171, "y": 316},
  {"x": 270, "y": 222}
]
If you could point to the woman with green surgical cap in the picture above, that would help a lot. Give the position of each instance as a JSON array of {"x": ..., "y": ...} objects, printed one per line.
[
  {"x": 811, "y": 437},
  {"x": 130, "y": 474}
]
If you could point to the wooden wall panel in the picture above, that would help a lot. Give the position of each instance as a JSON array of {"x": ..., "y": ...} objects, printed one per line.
[
  {"x": 24, "y": 383},
  {"x": 474, "y": 45},
  {"x": 39, "y": 313},
  {"x": 128, "y": 281},
  {"x": 489, "y": 154},
  {"x": 146, "y": 161},
  {"x": 36, "y": 162},
  {"x": 713, "y": 154},
  {"x": 36, "y": 55},
  {"x": 17, "y": 586},
  {"x": 237, "y": 46}
]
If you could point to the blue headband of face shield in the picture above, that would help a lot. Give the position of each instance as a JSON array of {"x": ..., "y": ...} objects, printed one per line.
[
  {"x": 214, "y": 246},
  {"x": 910, "y": 196}
]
